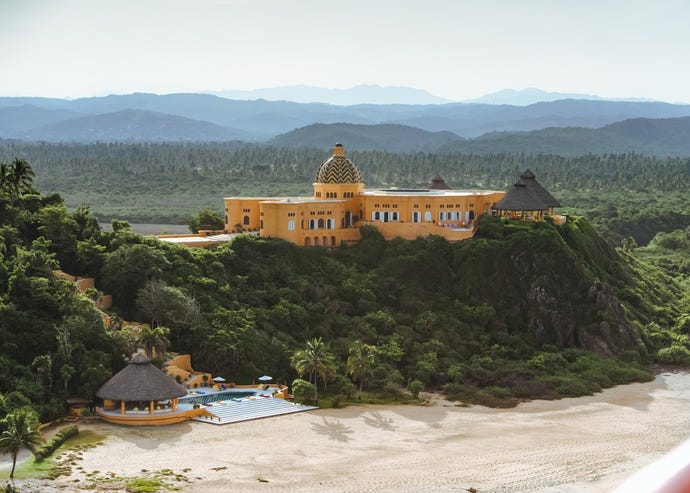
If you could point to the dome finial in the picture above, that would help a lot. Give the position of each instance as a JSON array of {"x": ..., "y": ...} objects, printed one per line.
[{"x": 338, "y": 150}]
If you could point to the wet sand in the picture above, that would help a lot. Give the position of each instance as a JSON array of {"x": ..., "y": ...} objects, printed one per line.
[{"x": 588, "y": 444}]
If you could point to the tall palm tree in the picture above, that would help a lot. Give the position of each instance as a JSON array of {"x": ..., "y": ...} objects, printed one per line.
[
  {"x": 20, "y": 432},
  {"x": 359, "y": 363},
  {"x": 154, "y": 338},
  {"x": 316, "y": 360},
  {"x": 21, "y": 176}
]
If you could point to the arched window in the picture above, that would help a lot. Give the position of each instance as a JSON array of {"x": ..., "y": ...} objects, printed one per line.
[
  {"x": 330, "y": 223},
  {"x": 332, "y": 240},
  {"x": 307, "y": 241},
  {"x": 261, "y": 224},
  {"x": 324, "y": 241},
  {"x": 291, "y": 225},
  {"x": 376, "y": 216},
  {"x": 416, "y": 217},
  {"x": 245, "y": 221},
  {"x": 427, "y": 216},
  {"x": 385, "y": 217},
  {"x": 312, "y": 223},
  {"x": 320, "y": 224},
  {"x": 316, "y": 240},
  {"x": 394, "y": 216},
  {"x": 441, "y": 216}
]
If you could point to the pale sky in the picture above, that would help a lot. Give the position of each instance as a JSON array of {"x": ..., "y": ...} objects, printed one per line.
[{"x": 457, "y": 49}]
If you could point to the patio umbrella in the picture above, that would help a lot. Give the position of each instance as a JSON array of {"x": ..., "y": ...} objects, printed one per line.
[
  {"x": 219, "y": 379},
  {"x": 265, "y": 378}
]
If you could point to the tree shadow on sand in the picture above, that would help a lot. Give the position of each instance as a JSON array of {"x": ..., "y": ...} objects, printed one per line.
[
  {"x": 143, "y": 438},
  {"x": 334, "y": 430},
  {"x": 378, "y": 420},
  {"x": 430, "y": 415}
]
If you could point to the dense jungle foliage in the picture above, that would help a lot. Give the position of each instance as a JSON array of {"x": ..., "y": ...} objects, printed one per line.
[
  {"x": 521, "y": 311},
  {"x": 622, "y": 195}
]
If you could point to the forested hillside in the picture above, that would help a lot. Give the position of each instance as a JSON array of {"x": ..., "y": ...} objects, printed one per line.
[
  {"x": 623, "y": 195},
  {"x": 521, "y": 311},
  {"x": 654, "y": 137},
  {"x": 385, "y": 137}
]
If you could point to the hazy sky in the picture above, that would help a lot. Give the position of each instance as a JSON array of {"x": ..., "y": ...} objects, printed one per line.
[{"x": 453, "y": 48}]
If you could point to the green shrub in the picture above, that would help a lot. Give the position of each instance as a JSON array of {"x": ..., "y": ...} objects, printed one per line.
[
  {"x": 415, "y": 387},
  {"x": 303, "y": 390},
  {"x": 574, "y": 387},
  {"x": 460, "y": 392},
  {"x": 496, "y": 397},
  {"x": 336, "y": 400},
  {"x": 674, "y": 354},
  {"x": 60, "y": 437}
]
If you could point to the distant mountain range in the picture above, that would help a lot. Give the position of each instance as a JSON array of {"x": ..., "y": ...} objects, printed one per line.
[
  {"x": 204, "y": 117},
  {"x": 132, "y": 126},
  {"x": 531, "y": 95},
  {"x": 363, "y": 94}
]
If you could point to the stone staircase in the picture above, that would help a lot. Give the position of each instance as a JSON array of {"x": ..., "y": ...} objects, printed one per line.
[{"x": 248, "y": 409}]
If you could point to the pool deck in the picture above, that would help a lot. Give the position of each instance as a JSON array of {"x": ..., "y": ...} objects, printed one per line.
[{"x": 230, "y": 410}]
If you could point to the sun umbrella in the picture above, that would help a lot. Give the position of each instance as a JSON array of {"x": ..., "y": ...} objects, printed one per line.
[
  {"x": 265, "y": 378},
  {"x": 219, "y": 379}
]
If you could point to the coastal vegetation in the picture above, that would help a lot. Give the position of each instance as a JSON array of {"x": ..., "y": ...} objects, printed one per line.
[{"x": 522, "y": 311}]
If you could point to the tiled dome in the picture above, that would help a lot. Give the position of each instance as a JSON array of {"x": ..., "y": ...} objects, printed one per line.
[{"x": 338, "y": 169}]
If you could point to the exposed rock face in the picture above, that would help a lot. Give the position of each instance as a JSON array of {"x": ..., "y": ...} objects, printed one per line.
[
  {"x": 550, "y": 320},
  {"x": 615, "y": 334},
  {"x": 554, "y": 281},
  {"x": 556, "y": 321}
]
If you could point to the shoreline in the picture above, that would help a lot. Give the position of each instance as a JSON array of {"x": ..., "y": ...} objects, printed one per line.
[{"x": 592, "y": 444}]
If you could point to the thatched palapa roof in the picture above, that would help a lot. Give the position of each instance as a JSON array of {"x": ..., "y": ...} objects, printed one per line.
[
  {"x": 527, "y": 195},
  {"x": 530, "y": 181},
  {"x": 140, "y": 380},
  {"x": 520, "y": 198}
]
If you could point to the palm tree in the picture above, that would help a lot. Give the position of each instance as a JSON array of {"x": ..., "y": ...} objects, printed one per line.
[
  {"x": 20, "y": 432},
  {"x": 21, "y": 176},
  {"x": 359, "y": 363},
  {"x": 154, "y": 338},
  {"x": 4, "y": 177},
  {"x": 316, "y": 360}
]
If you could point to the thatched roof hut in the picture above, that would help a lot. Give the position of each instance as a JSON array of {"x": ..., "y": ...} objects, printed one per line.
[
  {"x": 519, "y": 197},
  {"x": 527, "y": 195},
  {"x": 140, "y": 380},
  {"x": 530, "y": 181}
]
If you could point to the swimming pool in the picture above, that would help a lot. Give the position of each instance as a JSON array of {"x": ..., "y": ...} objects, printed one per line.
[{"x": 227, "y": 395}]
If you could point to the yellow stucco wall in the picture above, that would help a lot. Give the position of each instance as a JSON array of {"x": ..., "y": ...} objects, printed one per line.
[
  {"x": 242, "y": 213},
  {"x": 335, "y": 211},
  {"x": 329, "y": 222}
]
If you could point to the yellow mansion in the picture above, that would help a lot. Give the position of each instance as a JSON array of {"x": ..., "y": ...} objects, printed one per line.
[{"x": 341, "y": 204}]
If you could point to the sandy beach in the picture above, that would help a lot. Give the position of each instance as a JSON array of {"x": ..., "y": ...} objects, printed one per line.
[{"x": 584, "y": 444}]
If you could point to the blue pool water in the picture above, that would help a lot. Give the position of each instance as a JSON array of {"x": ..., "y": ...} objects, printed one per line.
[{"x": 216, "y": 396}]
